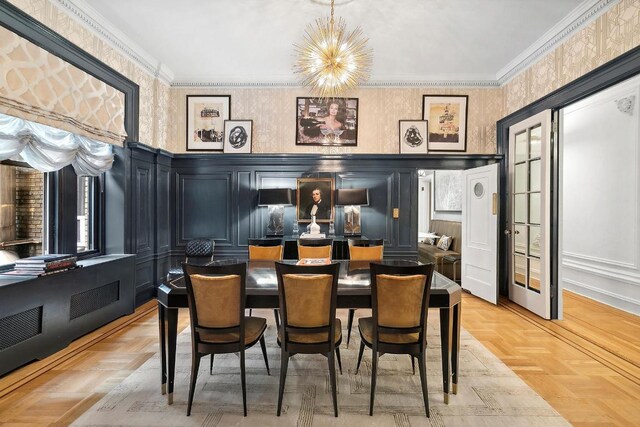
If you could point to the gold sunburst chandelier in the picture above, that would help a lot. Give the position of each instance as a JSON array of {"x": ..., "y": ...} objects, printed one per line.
[{"x": 332, "y": 59}]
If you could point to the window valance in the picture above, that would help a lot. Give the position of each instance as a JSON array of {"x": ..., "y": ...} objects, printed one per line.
[
  {"x": 40, "y": 87},
  {"x": 48, "y": 149}
]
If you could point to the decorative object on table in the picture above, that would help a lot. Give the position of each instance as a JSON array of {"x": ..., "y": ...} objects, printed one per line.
[
  {"x": 352, "y": 199},
  {"x": 332, "y": 121},
  {"x": 313, "y": 228},
  {"x": 276, "y": 199},
  {"x": 413, "y": 136},
  {"x": 448, "y": 190},
  {"x": 237, "y": 136},
  {"x": 332, "y": 59},
  {"x": 316, "y": 192},
  {"x": 447, "y": 117},
  {"x": 205, "y": 121},
  {"x": 295, "y": 230}
]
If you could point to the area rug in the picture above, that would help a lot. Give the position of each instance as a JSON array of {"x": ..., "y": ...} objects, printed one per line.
[{"x": 489, "y": 393}]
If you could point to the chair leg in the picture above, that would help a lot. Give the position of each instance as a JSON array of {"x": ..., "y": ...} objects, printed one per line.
[
  {"x": 264, "y": 353},
  {"x": 332, "y": 376},
  {"x": 195, "y": 365},
  {"x": 423, "y": 382},
  {"x": 360, "y": 356},
  {"x": 413, "y": 363},
  {"x": 284, "y": 362},
  {"x": 243, "y": 380},
  {"x": 374, "y": 372},
  {"x": 339, "y": 361},
  {"x": 276, "y": 316},
  {"x": 352, "y": 313}
]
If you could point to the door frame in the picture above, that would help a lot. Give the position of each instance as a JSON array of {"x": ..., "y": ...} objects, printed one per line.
[{"x": 613, "y": 72}]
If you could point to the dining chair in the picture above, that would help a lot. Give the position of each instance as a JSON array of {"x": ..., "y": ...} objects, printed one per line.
[
  {"x": 363, "y": 250},
  {"x": 216, "y": 296},
  {"x": 399, "y": 304},
  {"x": 315, "y": 248},
  {"x": 308, "y": 297},
  {"x": 196, "y": 251},
  {"x": 266, "y": 250}
]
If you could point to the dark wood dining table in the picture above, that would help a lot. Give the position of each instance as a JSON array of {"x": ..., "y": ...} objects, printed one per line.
[{"x": 354, "y": 291}]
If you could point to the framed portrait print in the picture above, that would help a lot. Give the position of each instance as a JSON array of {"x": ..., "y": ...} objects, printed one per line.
[
  {"x": 237, "y": 136},
  {"x": 327, "y": 121},
  {"x": 447, "y": 116},
  {"x": 205, "y": 121},
  {"x": 447, "y": 196},
  {"x": 318, "y": 193},
  {"x": 413, "y": 136}
]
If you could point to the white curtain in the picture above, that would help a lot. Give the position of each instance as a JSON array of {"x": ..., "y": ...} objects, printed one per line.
[{"x": 48, "y": 149}]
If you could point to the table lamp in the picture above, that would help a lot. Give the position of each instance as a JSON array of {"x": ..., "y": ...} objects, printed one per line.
[
  {"x": 275, "y": 199},
  {"x": 352, "y": 199}
]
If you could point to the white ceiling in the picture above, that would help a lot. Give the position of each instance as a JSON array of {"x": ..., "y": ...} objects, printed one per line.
[{"x": 413, "y": 41}]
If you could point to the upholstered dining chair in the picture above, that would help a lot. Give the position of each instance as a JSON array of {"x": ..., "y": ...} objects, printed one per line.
[
  {"x": 308, "y": 298},
  {"x": 399, "y": 303},
  {"x": 196, "y": 251},
  {"x": 363, "y": 250},
  {"x": 266, "y": 250},
  {"x": 216, "y": 296},
  {"x": 314, "y": 248}
]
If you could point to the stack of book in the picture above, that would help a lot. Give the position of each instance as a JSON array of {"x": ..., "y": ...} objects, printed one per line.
[{"x": 45, "y": 264}]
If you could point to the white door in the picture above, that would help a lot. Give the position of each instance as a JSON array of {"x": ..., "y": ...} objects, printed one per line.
[
  {"x": 479, "y": 262},
  {"x": 529, "y": 221}
]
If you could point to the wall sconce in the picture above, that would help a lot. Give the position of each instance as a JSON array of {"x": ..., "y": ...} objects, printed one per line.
[
  {"x": 276, "y": 199},
  {"x": 352, "y": 199}
]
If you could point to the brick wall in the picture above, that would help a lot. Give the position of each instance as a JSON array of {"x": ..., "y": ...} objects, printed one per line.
[{"x": 29, "y": 209}]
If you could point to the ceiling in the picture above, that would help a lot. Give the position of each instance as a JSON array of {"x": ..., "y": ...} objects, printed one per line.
[{"x": 251, "y": 41}]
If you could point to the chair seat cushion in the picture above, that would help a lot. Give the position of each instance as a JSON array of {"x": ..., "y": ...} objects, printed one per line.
[
  {"x": 314, "y": 338},
  {"x": 253, "y": 329},
  {"x": 365, "y": 325}
]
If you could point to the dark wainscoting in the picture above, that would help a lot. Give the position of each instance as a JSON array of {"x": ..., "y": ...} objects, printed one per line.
[{"x": 178, "y": 197}]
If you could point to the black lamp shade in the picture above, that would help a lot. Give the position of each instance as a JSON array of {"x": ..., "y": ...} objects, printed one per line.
[
  {"x": 275, "y": 196},
  {"x": 352, "y": 196}
]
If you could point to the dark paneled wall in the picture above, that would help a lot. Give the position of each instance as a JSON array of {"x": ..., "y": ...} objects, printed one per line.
[{"x": 178, "y": 197}]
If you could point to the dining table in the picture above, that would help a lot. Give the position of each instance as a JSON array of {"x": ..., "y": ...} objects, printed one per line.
[{"x": 354, "y": 291}]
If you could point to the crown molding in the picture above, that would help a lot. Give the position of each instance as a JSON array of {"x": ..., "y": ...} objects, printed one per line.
[
  {"x": 582, "y": 15},
  {"x": 100, "y": 26}
]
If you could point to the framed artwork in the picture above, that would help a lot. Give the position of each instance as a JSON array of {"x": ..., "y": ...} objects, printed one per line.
[
  {"x": 205, "y": 121},
  {"x": 447, "y": 196},
  {"x": 327, "y": 121},
  {"x": 413, "y": 136},
  {"x": 447, "y": 116},
  {"x": 237, "y": 136},
  {"x": 318, "y": 193}
]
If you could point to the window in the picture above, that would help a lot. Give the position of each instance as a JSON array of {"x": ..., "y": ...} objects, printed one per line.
[
  {"x": 86, "y": 213},
  {"x": 21, "y": 212}
]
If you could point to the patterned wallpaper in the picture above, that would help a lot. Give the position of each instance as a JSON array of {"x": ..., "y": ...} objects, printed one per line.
[
  {"x": 162, "y": 109},
  {"x": 613, "y": 33},
  {"x": 273, "y": 111}
]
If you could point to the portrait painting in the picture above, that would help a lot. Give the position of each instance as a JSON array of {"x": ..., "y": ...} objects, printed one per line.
[
  {"x": 205, "y": 121},
  {"x": 447, "y": 117},
  {"x": 327, "y": 121},
  {"x": 413, "y": 136},
  {"x": 315, "y": 196}
]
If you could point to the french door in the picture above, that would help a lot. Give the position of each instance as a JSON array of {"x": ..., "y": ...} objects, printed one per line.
[{"x": 529, "y": 213}]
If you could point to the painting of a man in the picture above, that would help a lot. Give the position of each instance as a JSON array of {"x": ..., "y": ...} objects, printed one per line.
[{"x": 315, "y": 198}]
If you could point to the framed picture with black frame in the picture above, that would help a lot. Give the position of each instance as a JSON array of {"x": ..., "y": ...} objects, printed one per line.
[
  {"x": 447, "y": 116},
  {"x": 327, "y": 121},
  {"x": 205, "y": 121}
]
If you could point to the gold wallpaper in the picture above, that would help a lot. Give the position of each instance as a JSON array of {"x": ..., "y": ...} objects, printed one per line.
[
  {"x": 273, "y": 112},
  {"x": 38, "y": 86},
  {"x": 162, "y": 109},
  {"x": 611, "y": 34}
]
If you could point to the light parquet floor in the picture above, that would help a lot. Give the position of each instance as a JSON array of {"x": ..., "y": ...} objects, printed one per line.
[{"x": 586, "y": 366}]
